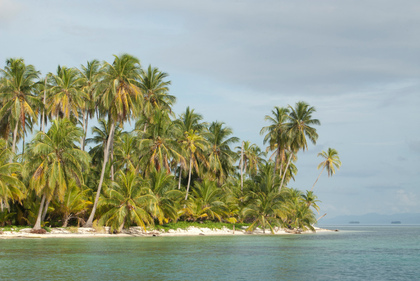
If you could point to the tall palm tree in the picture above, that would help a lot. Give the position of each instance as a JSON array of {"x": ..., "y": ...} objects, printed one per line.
[
  {"x": 250, "y": 159},
  {"x": 155, "y": 92},
  {"x": 53, "y": 161},
  {"x": 10, "y": 185},
  {"x": 90, "y": 77},
  {"x": 194, "y": 145},
  {"x": 331, "y": 162},
  {"x": 120, "y": 98},
  {"x": 187, "y": 121},
  {"x": 220, "y": 156},
  {"x": 18, "y": 80},
  {"x": 300, "y": 124},
  {"x": 276, "y": 135},
  {"x": 65, "y": 95},
  {"x": 299, "y": 127}
]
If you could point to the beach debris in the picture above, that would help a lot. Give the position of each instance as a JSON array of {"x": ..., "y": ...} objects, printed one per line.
[{"x": 39, "y": 231}]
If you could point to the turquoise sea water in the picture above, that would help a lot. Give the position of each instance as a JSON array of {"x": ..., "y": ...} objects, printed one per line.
[{"x": 354, "y": 253}]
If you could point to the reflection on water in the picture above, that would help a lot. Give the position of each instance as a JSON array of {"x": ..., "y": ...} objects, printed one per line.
[{"x": 355, "y": 253}]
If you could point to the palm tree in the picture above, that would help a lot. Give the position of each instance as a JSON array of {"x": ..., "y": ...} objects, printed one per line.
[
  {"x": 311, "y": 199},
  {"x": 120, "y": 98},
  {"x": 90, "y": 77},
  {"x": 220, "y": 156},
  {"x": 16, "y": 94},
  {"x": 155, "y": 92},
  {"x": 331, "y": 162},
  {"x": 187, "y": 121},
  {"x": 53, "y": 161},
  {"x": 299, "y": 215},
  {"x": 10, "y": 185},
  {"x": 265, "y": 202},
  {"x": 125, "y": 203},
  {"x": 74, "y": 204},
  {"x": 65, "y": 95},
  {"x": 300, "y": 122},
  {"x": 126, "y": 152},
  {"x": 162, "y": 198},
  {"x": 276, "y": 135},
  {"x": 159, "y": 146},
  {"x": 194, "y": 145},
  {"x": 299, "y": 127},
  {"x": 205, "y": 202},
  {"x": 250, "y": 159}
]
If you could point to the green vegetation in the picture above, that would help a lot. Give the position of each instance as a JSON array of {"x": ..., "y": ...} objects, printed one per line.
[
  {"x": 168, "y": 172},
  {"x": 204, "y": 224}
]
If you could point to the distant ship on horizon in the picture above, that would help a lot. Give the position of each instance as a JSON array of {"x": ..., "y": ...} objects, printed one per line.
[
  {"x": 396, "y": 222},
  {"x": 354, "y": 222}
]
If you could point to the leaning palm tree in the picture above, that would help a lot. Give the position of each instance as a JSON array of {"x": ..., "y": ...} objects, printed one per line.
[
  {"x": 18, "y": 80},
  {"x": 121, "y": 99},
  {"x": 53, "y": 160},
  {"x": 331, "y": 162}
]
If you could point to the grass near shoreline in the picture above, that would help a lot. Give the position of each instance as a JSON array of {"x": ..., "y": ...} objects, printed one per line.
[
  {"x": 164, "y": 227},
  {"x": 207, "y": 224}
]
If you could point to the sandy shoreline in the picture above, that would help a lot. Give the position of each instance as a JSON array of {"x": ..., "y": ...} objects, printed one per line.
[{"x": 137, "y": 232}]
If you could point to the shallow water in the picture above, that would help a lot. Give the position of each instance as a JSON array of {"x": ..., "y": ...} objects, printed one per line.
[{"x": 354, "y": 253}]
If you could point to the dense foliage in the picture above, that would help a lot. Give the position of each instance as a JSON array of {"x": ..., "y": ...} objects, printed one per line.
[{"x": 169, "y": 168}]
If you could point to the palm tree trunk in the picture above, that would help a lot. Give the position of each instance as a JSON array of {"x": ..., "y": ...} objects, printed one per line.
[
  {"x": 44, "y": 214},
  {"x": 281, "y": 163},
  {"x": 189, "y": 178},
  {"x": 242, "y": 167},
  {"x": 85, "y": 129},
  {"x": 89, "y": 222},
  {"x": 15, "y": 131},
  {"x": 43, "y": 110},
  {"x": 285, "y": 171},
  {"x": 23, "y": 143},
  {"x": 82, "y": 141},
  {"x": 66, "y": 220},
  {"x": 112, "y": 161},
  {"x": 317, "y": 178},
  {"x": 38, "y": 219},
  {"x": 179, "y": 180}
]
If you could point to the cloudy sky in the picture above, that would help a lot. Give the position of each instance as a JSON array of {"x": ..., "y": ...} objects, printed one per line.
[{"x": 356, "y": 62}]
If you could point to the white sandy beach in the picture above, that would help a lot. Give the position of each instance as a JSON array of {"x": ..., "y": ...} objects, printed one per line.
[{"x": 137, "y": 231}]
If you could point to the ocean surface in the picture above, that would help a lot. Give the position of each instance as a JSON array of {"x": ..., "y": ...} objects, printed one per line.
[{"x": 353, "y": 253}]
